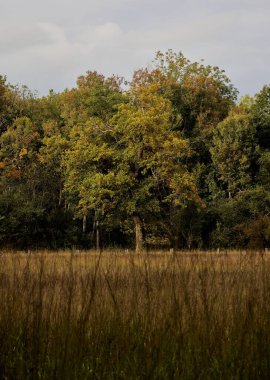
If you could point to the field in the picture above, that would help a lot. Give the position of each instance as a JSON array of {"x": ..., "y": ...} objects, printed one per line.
[{"x": 121, "y": 315}]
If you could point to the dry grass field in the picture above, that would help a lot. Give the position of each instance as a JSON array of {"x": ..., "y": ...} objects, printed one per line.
[{"x": 121, "y": 315}]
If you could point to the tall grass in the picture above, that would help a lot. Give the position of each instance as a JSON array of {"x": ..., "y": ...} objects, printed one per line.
[{"x": 126, "y": 316}]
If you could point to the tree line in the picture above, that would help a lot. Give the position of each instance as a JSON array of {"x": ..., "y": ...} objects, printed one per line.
[{"x": 170, "y": 159}]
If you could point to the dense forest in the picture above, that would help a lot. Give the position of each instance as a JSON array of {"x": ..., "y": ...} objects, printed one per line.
[{"x": 171, "y": 159}]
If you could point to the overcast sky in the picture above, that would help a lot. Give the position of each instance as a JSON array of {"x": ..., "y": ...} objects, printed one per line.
[{"x": 48, "y": 43}]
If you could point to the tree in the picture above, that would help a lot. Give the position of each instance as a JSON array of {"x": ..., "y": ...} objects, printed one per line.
[
  {"x": 92, "y": 184},
  {"x": 261, "y": 117},
  {"x": 153, "y": 156},
  {"x": 133, "y": 166},
  {"x": 243, "y": 220},
  {"x": 201, "y": 95},
  {"x": 264, "y": 169},
  {"x": 95, "y": 96},
  {"x": 20, "y": 179},
  {"x": 15, "y": 102},
  {"x": 233, "y": 153},
  {"x": 170, "y": 159}
]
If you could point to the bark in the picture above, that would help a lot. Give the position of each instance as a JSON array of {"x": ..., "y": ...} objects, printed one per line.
[
  {"x": 84, "y": 224},
  {"x": 97, "y": 236},
  {"x": 60, "y": 197},
  {"x": 138, "y": 233}
]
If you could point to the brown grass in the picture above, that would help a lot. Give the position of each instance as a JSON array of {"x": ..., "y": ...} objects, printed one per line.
[{"x": 120, "y": 315}]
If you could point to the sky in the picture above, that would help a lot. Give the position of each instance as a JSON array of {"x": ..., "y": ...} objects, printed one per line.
[{"x": 48, "y": 44}]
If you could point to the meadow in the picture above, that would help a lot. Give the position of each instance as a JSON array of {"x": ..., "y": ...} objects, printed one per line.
[{"x": 121, "y": 315}]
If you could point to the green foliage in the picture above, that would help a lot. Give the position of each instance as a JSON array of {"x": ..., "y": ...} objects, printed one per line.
[
  {"x": 95, "y": 96},
  {"x": 15, "y": 102},
  {"x": 233, "y": 153},
  {"x": 201, "y": 95},
  {"x": 132, "y": 165},
  {"x": 244, "y": 220},
  {"x": 91, "y": 181},
  {"x": 261, "y": 117},
  {"x": 152, "y": 153},
  {"x": 264, "y": 170}
]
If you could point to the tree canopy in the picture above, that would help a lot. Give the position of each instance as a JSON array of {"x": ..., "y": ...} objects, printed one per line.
[{"x": 170, "y": 159}]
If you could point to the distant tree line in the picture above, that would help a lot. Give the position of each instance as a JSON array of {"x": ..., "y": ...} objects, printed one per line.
[{"x": 171, "y": 159}]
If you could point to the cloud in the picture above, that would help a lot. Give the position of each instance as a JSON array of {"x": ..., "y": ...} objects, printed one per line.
[
  {"x": 48, "y": 44},
  {"x": 13, "y": 38}
]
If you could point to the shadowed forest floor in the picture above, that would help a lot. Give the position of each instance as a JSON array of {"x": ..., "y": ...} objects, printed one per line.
[{"x": 120, "y": 315}]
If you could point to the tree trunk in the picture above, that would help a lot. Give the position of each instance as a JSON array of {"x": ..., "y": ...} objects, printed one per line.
[
  {"x": 84, "y": 224},
  {"x": 138, "y": 233},
  {"x": 97, "y": 236},
  {"x": 60, "y": 197}
]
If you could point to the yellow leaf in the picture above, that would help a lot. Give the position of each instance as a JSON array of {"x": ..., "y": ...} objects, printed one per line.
[{"x": 23, "y": 152}]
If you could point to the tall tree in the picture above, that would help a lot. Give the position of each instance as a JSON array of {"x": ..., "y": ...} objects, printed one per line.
[
  {"x": 133, "y": 166},
  {"x": 94, "y": 96},
  {"x": 153, "y": 156},
  {"x": 233, "y": 153},
  {"x": 261, "y": 117}
]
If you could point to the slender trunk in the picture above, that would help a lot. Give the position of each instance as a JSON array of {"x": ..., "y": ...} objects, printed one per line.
[
  {"x": 84, "y": 224},
  {"x": 138, "y": 233},
  {"x": 174, "y": 240},
  {"x": 60, "y": 197},
  {"x": 97, "y": 236}
]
